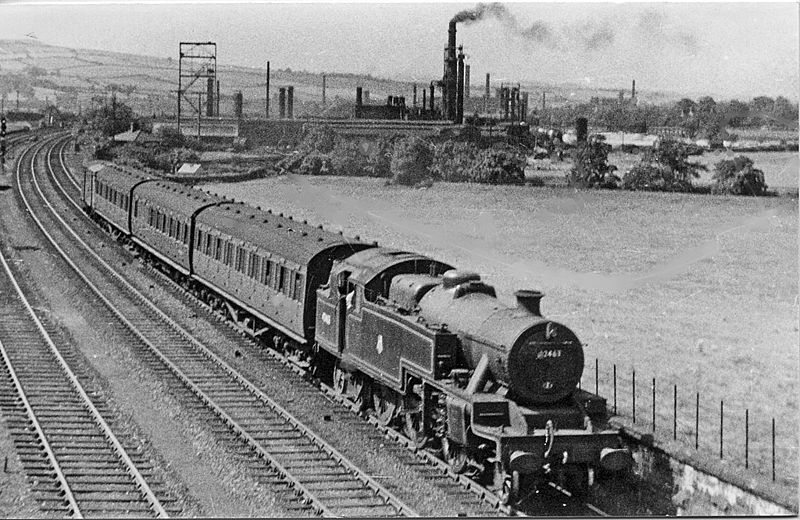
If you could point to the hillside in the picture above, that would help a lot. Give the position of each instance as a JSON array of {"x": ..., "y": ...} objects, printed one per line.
[{"x": 72, "y": 78}]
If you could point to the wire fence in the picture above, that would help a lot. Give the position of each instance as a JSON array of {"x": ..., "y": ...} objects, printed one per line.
[{"x": 706, "y": 423}]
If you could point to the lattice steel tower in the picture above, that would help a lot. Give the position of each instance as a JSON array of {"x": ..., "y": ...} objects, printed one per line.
[{"x": 197, "y": 60}]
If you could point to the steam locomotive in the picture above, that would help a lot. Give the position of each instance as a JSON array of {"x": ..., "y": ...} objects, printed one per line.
[{"x": 423, "y": 346}]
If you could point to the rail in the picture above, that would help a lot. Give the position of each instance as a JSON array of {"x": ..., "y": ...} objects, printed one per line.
[{"x": 250, "y": 389}]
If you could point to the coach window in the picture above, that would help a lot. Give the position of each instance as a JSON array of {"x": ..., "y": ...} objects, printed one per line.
[
  {"x": 228, "y": 254},
  {"x": 265, "y": 277},
  {"x": 239, "y": 259},
  {"x": 298, "y": 286},
  {"x": 217, "y": 249},
  {"x": 281, "y": 278},
  {"x": 198, "y": 240},
  {"x": 255, "y": 266}
]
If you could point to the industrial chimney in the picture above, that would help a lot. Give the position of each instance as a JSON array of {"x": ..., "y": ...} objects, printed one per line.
[
  {"x": 359, "y": 101},
  {"x": 466, "y": 81},
  {"x": 460, "y": 88},
  {"x": 633, "y": 90},
  {"x": 238, "y": 101},
  {"x": 281, "y": 102},
  {"x": 210, "y": 97},
  {"x": 290, "y": 102},
  {"x": 450, "y": 74}
]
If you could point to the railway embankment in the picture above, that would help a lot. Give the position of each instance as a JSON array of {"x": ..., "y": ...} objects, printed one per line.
[{"x": 698, "y": 484}]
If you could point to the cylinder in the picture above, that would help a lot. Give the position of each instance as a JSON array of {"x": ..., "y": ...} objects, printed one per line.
[
  {"x": 581, "y": 129},
  {"x": 210, "y": 97},
  {"x": 389, "y": 101},
  {"x": 290, "y": 102},
  {"x": 282, "y": 103},
  {"x": 238, "y": 101}
]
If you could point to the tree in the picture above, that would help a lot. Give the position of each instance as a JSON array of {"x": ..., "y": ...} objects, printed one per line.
[
  {"x": 663, "y": 168},
  {"x": 686, "y": 107},
  {"x": 411, "y": 160},
  {"x": 706, "y": 105},
  {"x": 591, "y": 168},
  {"x": 112, "y": 119},
  {"x": 785, "y": 111},
  {"x": 737, "y": 176}
]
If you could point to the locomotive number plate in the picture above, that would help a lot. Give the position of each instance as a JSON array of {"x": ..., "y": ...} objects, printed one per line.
[{"x": 543, "y": 354}]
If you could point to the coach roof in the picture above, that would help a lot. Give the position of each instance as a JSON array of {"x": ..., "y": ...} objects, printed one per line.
[
  {"x": 120, "y": 178},
  {"x": 177, "y": 197},
  {"x": 295, "y": 241}
]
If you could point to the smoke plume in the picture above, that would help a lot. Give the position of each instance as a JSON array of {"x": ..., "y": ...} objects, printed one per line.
[{"x": 592, "y": 36}]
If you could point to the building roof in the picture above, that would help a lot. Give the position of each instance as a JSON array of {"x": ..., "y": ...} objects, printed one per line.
[{"x": 189, "y": 168}]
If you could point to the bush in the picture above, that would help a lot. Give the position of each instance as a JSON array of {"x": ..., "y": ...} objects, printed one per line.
[
  {"x": 321, "y": 139},
  {"x": 313, "y": 164},
  {"x": 453, "y": 161},
  {"x": 738, "y": 177},
  {"x": 663, "y": 168},
  {"x": 379, "y": 157},
  {"x": 498, "y": 167},
  {"x": 347, "y": 159},
  {"x": 411, "y": 160},
  {"x": 170, "y": 137},
  {"x": 590, "y": 167}
]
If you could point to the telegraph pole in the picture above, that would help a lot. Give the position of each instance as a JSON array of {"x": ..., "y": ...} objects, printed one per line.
[{"x": 3, "y": 141}]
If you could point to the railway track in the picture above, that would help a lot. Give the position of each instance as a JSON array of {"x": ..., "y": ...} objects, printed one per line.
[
  {"x": 77, "y": 464},
  {"x": 328, "y": 482},
  {"x": 476, "y": 498}
]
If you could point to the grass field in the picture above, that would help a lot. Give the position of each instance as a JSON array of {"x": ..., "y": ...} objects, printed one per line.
[{"x": 696, "y": 290}]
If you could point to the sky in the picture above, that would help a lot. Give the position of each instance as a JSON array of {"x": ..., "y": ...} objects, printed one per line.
[{"x": 729, "y": 50}]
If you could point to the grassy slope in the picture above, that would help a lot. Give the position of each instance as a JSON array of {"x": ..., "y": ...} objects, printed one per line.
[{"x": 699, "y": 291}]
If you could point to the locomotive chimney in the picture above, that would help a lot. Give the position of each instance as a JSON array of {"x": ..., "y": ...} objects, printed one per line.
[{"x": 530, "y": 300}]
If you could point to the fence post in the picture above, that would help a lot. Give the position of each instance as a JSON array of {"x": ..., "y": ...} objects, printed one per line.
[
  {"x": 697, "y": 422},
  {"x": 675, "y": 412},
  {"x": 654, "y": 404},
  {"x": 773, "y": 449},
  {"x": 746, "y": 438},
  {"x": 633, "y": 389},
  {"x": 615, "y": 389},
  {"x": 596, "y": 377},
  {"x": 721, "y": 415}
]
